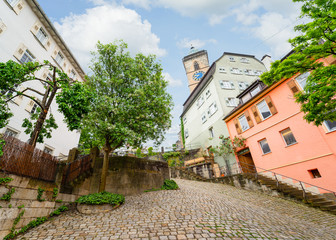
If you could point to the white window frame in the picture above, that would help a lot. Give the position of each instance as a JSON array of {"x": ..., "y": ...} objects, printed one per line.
[
  {"x": 221, "y": 70},
  {"x": 72, "y": 74},
  {"x": 184, "y": 120},
  {"x": 27, "y": 57},
  {"x": 230, "y": 102},
  {"x": 42, "y": 36},
  {"x": 207, "y": 93},
  {"x": 186, "y": 133},
  {"x": 328, "y": 127},
  {"x": 243, "y": 123},
  {"x": 261, "y": 142},
  {"x": 200, "y": 101},
  {"x": 11, "y": 132},
  {"x": 244, "y": 60},
  {"x": 48, "y": 149},
  {"x": 211, "y": 132},
  {"x": 242, "y": 85},
  {"x": 226, "y": 84},
  {"x": 59, "y": 58},
  {"x": 236, "y": 71},
  {"x": 203, "y": 117},
  {"x": 232, "y": 59},
  {"x": 262, "y": 106},
  {"x": 302, "y": 79},
  {"x": 33, "y": 110},
  {"x": 288, "y": 131},
  {"x": 212, "y": 109},
  {"x": 13, "y": 3},
  {"x": 255, "y": 90},
  {"x": 258, "y": 72}
]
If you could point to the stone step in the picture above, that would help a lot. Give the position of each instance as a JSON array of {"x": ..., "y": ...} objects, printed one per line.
[
  {"x": 323, "y": 203},
  {"x": 328, "y": 207}
]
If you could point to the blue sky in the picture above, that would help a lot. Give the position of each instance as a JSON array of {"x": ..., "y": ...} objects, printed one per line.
[{"x": 167, "y": 28}]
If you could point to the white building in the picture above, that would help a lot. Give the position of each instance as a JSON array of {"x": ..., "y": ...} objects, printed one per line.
[
  {"x": 26, "y": 34},
  {"x": 215, "y": 96}
]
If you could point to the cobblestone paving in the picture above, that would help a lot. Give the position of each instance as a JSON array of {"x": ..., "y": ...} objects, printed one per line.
[{"x": 197, "y": 211}]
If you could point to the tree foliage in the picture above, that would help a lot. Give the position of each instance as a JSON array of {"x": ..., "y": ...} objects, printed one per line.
[
  {"x": 15, "y": 81},
  {"x": 317, "y": 40},
  {"x": 130, "y": 104}
]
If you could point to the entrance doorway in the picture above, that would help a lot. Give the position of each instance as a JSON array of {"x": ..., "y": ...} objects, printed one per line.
[{"x": 246, "y": 162}]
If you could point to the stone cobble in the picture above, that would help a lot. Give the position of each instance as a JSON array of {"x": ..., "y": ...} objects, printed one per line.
[{"x": 197, "y": 211}]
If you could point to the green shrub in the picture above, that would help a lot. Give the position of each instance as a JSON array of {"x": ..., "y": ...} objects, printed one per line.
[
  {"x": 58, "y": 211},
  {"x": 169, "y": 185},
  {"x": 5, "y": 180},
  {"x": 102, "y": 198}
]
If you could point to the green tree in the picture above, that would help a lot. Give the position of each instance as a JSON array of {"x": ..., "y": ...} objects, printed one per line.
[
  {"x": 72, "y": 100},
  {"x": 131, "y": 104},
  {"x": 317, "y": 40}
]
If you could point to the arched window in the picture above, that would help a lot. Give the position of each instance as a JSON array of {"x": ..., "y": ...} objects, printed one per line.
[{"x": 196, "y": 66}]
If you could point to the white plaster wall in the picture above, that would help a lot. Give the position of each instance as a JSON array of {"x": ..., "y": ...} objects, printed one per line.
[
  {"x": 198, "y": 131},
  {"x": 17, "y": 32}
]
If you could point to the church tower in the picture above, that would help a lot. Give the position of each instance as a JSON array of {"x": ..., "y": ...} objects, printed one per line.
[{"x": 196, "y": 63}]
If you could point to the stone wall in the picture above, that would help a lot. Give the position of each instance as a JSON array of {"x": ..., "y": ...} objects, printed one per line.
[
  {"x": 26, "y": 194},
  {"x": 126, "y": 175}
]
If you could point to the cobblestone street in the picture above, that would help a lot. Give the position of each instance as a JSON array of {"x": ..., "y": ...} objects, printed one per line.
[{"x": 197, "y": 211}]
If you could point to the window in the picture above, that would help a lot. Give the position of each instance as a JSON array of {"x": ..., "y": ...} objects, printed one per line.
[
  {"x": 207, "y": 93},
  {"x": 42, "y": 36},
  {"x": 200, "y": 101},
  {"x": 230, "y": 102},
  {"x": 72, "y": 74},
  {"x": 249, "y": 72},
  {"x": 204, "y": 118},
  {"x": 226, "y": 84},
  {"x": 48, "y": 150},
  {"x": 302, "y": 79},
  {"x": 264, "y": 146},
  {"x": 258, "y": 72},
  {"x": 27, "y": 57},
  {"x": 13, "y": 3},
  {"x": 11, "y": 132},
  {"x": 236, "y": 71},
  {"x": 242, "y": 85},
  {"x": 184, "y": 120},
  {"x": 3, "y": 27},
  {"x": 196, "y": 66},
  {"x": 59, "y": 58},
  {"x": 331, "y": 125},
  {"x": 264, "y": 110},
  {"x": 211, "y": 132},
  {"x": 255, "y": 90},
  {"x": 244, "y": 60},
  {"x": 212, "y": 109},
  {"x": 243, "y": 123},
  {"x": 33, "y": 110},
  {"x": 314, "y": 173},
  {"x": 231, "y": 59},
  {"x": 288, "y": 137},
  {"x": 186, "y": 133},
  {"x": 221, "y": 70}
]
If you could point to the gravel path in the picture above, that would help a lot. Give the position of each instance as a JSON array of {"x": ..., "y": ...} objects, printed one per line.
[{"x": 197, "y": 211}]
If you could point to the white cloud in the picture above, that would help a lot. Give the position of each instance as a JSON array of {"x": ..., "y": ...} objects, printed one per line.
[
  {"x": 107, "y": 23},
  {"x": 172, "y": 82},
  {"x": 196, "y": 43}
]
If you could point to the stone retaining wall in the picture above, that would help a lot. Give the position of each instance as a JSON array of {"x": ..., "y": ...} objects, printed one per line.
[{"x": 26, "y": 194}]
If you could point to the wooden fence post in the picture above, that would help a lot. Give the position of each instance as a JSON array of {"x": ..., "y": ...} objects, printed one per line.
[{"x": 94, "y": 153}]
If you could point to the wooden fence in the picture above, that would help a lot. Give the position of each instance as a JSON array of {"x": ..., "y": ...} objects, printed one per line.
[
  {"x": 22, "y": 159},
  {"x": 80, "y": 166}
]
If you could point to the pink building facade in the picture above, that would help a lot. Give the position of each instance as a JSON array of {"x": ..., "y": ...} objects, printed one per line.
[{"x": 278, "y": 139}]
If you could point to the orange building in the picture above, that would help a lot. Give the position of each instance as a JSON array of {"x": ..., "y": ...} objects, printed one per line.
[{"x": 278, "y": 139}]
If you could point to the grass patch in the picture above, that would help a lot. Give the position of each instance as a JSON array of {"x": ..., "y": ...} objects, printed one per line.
[{"x": 102, "y": 198}]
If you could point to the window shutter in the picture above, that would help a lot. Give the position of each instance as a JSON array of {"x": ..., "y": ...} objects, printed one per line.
[
  {"x": 48, "y": 44},
  {"x": 248, "y": 118},
  {"x": 293, "y": 87},
  {"x": 3, "y": 27},
  {"x": 30, "y": 106},
  {"x": 256, "y": 114},
  {"x": 238, "y": 128},
  {"x": 17, "y": 9},
  {"x": 55, "y": 52},
  {"x": 20, "y": 51},
  {"x": 271, "y": 105}
]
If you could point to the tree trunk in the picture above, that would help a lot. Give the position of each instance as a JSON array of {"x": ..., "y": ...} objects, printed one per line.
[
  {"x": 42, "y": 117},
  {"x": 107, "y": 150}
]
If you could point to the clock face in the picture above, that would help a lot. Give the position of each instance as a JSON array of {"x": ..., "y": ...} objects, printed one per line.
[{"x": 198, "y": 75}]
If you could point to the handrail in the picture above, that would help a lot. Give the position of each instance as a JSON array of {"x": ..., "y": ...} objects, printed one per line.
[{"x": 265, "y": 170}]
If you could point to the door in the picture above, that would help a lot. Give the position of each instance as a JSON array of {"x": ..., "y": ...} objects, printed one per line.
[{"x": 246, "y": 163}]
